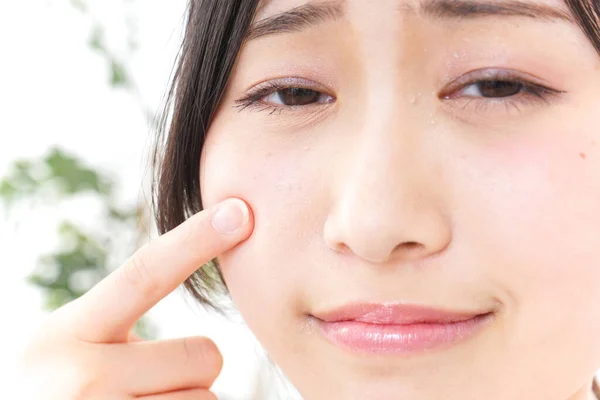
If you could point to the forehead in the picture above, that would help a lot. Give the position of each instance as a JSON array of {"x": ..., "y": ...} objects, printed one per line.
[{"x": 268, "y": 8}]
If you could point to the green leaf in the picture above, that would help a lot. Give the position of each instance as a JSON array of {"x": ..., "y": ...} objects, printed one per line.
[
  {"x": 118, "y": 74},
  {"x": 7, "y": 189},
  {"x": 82, "y": 254},
  {"x": 96, "y": 41},
  {"x": 74, "y": 176},
  {"x": 145, "y": 329},
  {"x": 79, "y": 5}
]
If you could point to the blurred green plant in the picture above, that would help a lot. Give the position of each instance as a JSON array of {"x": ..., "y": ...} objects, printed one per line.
[
  {"x": 65, "y": 171},
  {"x": 119, "y": 74},
  {"x": 83, "y": 257}
]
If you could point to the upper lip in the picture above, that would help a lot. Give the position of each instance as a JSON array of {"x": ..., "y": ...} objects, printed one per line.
[{"x": 394, "y": 314}]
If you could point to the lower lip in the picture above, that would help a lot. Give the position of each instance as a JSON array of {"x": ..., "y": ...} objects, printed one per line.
[{"x": 363, "y": 337}]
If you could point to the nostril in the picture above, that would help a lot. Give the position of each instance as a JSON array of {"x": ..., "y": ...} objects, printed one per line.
[
  {"x": 342, "y": 248},
  {"x": 408, "y": 246},
  {"x": 339, "y": 247}
]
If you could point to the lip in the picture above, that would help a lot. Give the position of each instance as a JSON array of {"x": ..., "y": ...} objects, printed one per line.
[
  {"x": 394, "y": 314},
  {"x": 398, "y": 328}
]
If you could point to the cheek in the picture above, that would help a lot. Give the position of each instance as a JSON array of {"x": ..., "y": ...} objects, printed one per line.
[
  {"x": 544, "y": 198},
  {"x": 278, "y": 181},
  {"x": 526, "y": 213},
  {"x": 534, "y": 220}
]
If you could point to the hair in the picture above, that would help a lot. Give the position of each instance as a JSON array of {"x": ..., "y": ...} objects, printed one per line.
[{"x": 215, "y": 31}]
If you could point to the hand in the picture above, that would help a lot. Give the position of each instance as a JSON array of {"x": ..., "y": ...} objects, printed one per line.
[{"x": 86, "y": 349}]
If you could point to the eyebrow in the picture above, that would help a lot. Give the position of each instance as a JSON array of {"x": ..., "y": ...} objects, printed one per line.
[
  {"x": 477, "y": 9},
  {"x": 311, "y": 14},
  {"x": 297, "y": 19}
]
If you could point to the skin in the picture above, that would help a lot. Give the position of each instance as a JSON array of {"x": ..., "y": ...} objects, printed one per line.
[
  {"x": 86, "y": 349},
  {"x": 393, "y": 194}
]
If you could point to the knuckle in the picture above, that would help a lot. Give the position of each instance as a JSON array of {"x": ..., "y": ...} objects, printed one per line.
[
  {"x": 88, "y": 373},
  {"x": 136, "y": 275}
]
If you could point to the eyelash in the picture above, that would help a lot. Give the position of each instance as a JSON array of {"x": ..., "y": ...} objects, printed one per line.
[
  {"x": 529, "y": 92},
  {"x": 253, "y": 99}
]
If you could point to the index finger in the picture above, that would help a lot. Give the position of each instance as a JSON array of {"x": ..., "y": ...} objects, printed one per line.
[{"x": 108, "y": 311}]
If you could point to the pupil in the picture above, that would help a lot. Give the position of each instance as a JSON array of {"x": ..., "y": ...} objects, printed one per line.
[
  {"x": 298, "y": 96},
  {"x": 500, "y": 88}
]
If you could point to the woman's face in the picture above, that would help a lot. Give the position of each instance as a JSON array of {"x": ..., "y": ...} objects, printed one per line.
[{"x": 444, "y": 154}]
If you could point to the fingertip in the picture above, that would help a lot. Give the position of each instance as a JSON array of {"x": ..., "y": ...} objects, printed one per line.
[
  {"x": 212, "y": 356},
  {"x": 231, "y": 216}
]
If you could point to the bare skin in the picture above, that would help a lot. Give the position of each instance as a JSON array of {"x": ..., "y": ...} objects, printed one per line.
[{"x": 86, "y": 350}]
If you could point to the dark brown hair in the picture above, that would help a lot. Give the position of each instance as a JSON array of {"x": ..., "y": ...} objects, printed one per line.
[{"x": 214, "y": 33}]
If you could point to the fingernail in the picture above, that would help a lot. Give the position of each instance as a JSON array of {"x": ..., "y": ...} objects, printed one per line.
[{"x": 231, "y": 216}]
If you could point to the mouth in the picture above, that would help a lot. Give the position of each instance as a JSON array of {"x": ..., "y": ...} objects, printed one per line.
[{"x": 398, "y": 328}]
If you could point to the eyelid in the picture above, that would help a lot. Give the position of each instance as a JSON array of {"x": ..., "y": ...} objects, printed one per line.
[
  {"x": 493, "y": 74},
  {"x": 288, "y": 82}
]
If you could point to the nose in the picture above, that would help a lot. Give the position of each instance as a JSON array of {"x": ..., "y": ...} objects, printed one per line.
[{"x": 388, "y": 200}]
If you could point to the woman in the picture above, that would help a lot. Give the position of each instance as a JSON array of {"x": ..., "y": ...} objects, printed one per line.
[{"x": 423, "y": 181}]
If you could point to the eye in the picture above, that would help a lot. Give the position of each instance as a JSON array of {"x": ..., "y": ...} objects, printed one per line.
[
  {"x": 494, "y": 89},
  {"x": 295, "y": 97},
  {"x": 286, "y": 93}
]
